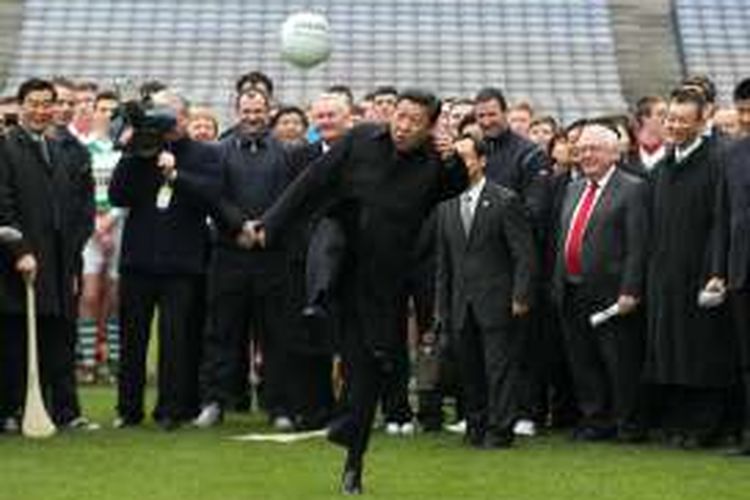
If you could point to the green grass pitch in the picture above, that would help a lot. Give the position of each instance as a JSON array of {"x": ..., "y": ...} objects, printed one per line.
[{"x": 150, "y": 464}]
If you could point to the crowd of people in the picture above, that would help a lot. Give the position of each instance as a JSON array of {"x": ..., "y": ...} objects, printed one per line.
[{"x": 467, "y": 265}]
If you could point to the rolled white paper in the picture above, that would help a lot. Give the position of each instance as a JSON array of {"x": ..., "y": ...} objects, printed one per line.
[
  {"x": 600, "y": 317},
  {"x": 709, "y": 298}
]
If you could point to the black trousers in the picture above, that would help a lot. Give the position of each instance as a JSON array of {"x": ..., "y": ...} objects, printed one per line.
[
  {"x": 56, "y": 339},
  {"x": 325, "y": 255},
  {"x": 741, "y": 308},
  {"x": 546, "y": 388},
  {"x": 367, "y": 370},
  {"x": 489, "y": 365},
  {"x": 179, "y": 302},
  {"x": 310, "y": 366},
  {"x": 605, "y": 362},
  {"x": 245, "y": 298}
]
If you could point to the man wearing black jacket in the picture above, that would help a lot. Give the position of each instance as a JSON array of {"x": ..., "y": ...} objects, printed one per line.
[
  {"x": 518, "y": 164},
  {"x": 164, "y": 252},
  {"x": 735, "y": 246},
  {"x": 43, "y": 197},
  {"x": 247, "y": 289},
  {"x": 390, "y": 178}
]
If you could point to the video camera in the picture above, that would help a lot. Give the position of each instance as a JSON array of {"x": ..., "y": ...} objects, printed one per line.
[{"x": 149, "y": 124}]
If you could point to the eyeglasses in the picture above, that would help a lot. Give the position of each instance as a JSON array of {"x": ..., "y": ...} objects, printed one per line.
[{"x": 38, "y": 104}]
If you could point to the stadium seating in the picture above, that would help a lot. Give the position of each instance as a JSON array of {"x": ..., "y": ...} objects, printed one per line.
[
  {"x": 558, "y": 53},
  {"x": 715, "y": 36}
]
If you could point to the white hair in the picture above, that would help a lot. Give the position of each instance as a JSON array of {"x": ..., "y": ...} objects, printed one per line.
[
  {"x": 337, "y": 99},
  {"x": 602, "y": 134}
]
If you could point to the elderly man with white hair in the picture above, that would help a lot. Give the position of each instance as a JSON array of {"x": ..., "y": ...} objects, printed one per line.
[{"x": 600, "y": 267}]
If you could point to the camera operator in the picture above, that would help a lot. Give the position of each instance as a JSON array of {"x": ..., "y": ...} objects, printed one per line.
[{"x": 168, "y": 191}]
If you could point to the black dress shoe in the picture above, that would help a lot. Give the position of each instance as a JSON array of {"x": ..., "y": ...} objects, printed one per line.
[
  {"x": 494, "y": 441},
  {"x": 742, "y": 451},
  {"x": 168, "y": 424},
  {"x": 351, "y": 481},
  {"x": 592, "y": 434},
  {"x": 474, "y": 437}
]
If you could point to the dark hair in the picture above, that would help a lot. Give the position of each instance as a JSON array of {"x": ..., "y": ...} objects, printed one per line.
[
  {"x": 342, "y": 90},
  {"x": 368, "y": 96},
  {"x": 106, "y": 95},
  {"x": 424, "y": 98},
  {"x": 254, "y": 78},
  {"x": 480, "y": 147},
  {"x": 683, "y": 95},
  {"x": 385, "y": 90},
  {"x": 66, "y": 83},
  {"x": 469, "y": 119},
  {"x": 492, "y": 94},
  {"x": 560, "y": 135},
  {"x": 35, "y": 85},
  {"x": 703, "y": 82},
  {"x": 644, "y": 108},
  {"x": 742, "y": 90},
  {"x": 250, "y": 94},
  {"x": 87, "y": 85},
  {"x": 151, "y": 87},
  {"x": 289, "y": 110}
]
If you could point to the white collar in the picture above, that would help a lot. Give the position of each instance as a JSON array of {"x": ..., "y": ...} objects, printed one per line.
[
  {"x": 475, "y": 190},
  {"x": 324, "y": 146},
  {"x": 602, "y": 183},
  {"x": 682, "y": 153},
  {"x": 651, "y": 159}
]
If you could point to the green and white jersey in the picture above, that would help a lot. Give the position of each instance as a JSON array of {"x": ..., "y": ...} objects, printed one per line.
[{"x": 104, "y": 159}]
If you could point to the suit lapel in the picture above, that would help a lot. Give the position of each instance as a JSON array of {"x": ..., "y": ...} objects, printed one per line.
[
  {"x": 575, "y": 190},
  {"x": 603, "y": 203}
]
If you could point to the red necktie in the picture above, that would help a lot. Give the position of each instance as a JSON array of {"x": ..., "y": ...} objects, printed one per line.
[{"x": 577, "y": 230}]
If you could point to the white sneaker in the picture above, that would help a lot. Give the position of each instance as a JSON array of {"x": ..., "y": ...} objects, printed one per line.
[
  {"x": 283, "y": 424},
  {"x": 210, "y": 416},
  {"x": 457, "y": 428},
  {"x": 525, "y": 427},
  {"x": 11, "y": 425},
  {"x": 408, "y": 429},
  {"x": 392, "y": 429}
]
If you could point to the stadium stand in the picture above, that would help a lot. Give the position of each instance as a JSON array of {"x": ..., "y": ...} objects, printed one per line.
[
  {"x": 715, "y": 40},
  {"x": 558, "y": 53}
]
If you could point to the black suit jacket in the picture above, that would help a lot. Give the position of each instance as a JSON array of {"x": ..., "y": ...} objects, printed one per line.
[
  {"x": 734, "y": 203},
  {"x": 175, "y": 240},
  {"x": 613, "y": 254},
  {"x": 382, "y": 197},
  {"x": 52, "y": 205},
  {"x": 490, "y": 267}
]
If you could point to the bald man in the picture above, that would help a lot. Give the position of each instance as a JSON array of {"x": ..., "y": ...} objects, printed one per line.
[{"x": 600, "y": 262}]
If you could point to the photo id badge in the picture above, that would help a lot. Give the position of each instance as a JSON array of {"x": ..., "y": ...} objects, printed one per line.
[{"x": 164, "y": 197}]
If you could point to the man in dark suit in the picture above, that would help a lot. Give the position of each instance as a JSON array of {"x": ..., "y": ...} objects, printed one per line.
[
  {"x": 518, "y": 164},
  {"x": 485, "y": 278},
  {"x": 44, "y": 197},
  {"x": 736, "y": 245},
  {"x": 600, "y": 261},
  {"x": 165, "y": 246},
  {"x": 390, "y": 178},
  {"x": 247, "y": 289}
]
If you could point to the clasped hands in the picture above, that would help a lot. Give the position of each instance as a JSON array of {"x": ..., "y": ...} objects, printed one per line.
[{"x": 252, "y": 235}]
